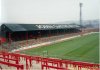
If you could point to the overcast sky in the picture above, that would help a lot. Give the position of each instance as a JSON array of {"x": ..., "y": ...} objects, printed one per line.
[{"x": 46, "y": 11}]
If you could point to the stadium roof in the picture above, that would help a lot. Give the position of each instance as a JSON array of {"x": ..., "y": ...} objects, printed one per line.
[{"x": 31, "y": 27}]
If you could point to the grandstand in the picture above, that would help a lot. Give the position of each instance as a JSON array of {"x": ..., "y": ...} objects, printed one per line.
[
  {"x": 24, "y": 35},
  {"x": 34, "y": 33},
  {"x": 29, "y": 31},
  {"x": 20, "y": 37}
]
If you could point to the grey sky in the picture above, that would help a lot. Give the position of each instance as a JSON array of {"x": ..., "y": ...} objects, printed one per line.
[{"x": 47, "y": 11}]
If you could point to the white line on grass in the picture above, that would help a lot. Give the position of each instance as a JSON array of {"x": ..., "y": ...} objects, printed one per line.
[{"x": 51, "y": 42}]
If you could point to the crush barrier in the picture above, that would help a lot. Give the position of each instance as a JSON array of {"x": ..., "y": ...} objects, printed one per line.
[
  {"x": 18, "y": 66},
  {"x": 6, "y": 60},
  {"x": 48, "y": 63}
]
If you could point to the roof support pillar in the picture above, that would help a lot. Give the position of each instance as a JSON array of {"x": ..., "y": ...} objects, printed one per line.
[
  {"x": 27, "y": 38},
  {"x": 9, "y": 39}
]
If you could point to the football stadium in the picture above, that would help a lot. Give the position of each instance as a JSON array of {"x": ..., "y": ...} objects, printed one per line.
[
  {"x": 49, "y": 35},
  {"x": 48, "y": 47}
]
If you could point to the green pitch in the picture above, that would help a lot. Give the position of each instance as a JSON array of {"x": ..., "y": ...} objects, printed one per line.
[{"x": 85, "y": 48}]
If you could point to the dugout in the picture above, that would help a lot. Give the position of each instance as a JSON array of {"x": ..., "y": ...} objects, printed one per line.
[{"x": 17, "y": 32}]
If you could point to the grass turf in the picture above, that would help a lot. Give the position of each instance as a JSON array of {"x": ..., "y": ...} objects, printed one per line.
[{"x": 85, "y": 48}]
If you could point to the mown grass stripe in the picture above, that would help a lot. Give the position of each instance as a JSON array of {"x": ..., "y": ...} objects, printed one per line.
[{"x": 83, "y": 48}]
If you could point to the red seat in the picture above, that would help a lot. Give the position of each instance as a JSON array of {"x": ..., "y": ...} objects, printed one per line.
[{"x": 2, "y": 40}]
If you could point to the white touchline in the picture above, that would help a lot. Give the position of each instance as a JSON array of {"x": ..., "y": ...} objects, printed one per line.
[{"x": 51, "y": 42}]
